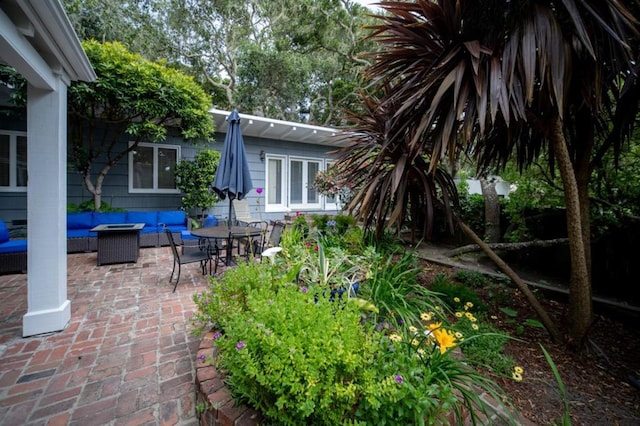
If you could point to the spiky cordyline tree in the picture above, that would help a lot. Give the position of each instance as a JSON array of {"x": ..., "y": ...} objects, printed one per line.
[
  {"x": 391, "y": 186},
  {"x": 509, "y": 79},
  {"x": 394, "y": 187}
]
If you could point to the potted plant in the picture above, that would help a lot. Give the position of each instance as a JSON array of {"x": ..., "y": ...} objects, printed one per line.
[{"x": 194, "y": 179}]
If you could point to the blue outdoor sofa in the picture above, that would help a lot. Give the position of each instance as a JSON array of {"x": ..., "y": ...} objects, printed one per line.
[
  {"x": 13, "y": 253},
  {"x": 81, "y": 239}
]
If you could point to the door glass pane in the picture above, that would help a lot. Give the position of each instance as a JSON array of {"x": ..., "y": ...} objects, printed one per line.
[
  {"x": 312, "y": 193},
  {"x": 143, "y": 167},
  {"x": 167, "y": 158},
  {"x": 21, "y": 159},
  {"x": 275, "y": 181},
  {"x": 296, "y": 182},
  {"x": 4, "y": 160}
]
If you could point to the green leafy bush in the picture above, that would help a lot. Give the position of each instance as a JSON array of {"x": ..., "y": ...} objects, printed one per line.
[
  {"x": 228, "y": 294},
  {"x": 448, "y": 291},
  {"x": 296, "y": 359}
]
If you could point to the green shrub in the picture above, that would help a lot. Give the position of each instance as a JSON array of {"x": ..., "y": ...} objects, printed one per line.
[
  {"x": 298, "y": 361},
  {"x": 228, "y": 294},
  {"x": 88, "y": 206},
  {"x": 471, "y": 278},
  {"x": 448, "y": 291}
]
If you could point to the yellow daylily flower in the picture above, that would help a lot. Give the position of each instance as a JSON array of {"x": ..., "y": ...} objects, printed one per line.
[{"x": 445, "y": 339}]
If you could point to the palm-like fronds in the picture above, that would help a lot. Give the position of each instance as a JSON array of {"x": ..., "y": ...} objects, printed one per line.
[
  {"x": 495, "y": 71},
  {"x": 394, "y": 185}
]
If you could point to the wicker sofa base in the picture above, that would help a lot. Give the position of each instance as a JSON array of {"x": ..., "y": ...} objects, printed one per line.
[{"x": 13, "y": 263}]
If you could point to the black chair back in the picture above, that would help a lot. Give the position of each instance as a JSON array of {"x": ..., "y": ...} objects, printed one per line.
[
  {"x": 172, "y": 243},
  {"x": 276, "y": 233}
]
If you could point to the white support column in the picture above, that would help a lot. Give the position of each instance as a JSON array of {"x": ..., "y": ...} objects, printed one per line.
[{"x": 48, "y": 307}]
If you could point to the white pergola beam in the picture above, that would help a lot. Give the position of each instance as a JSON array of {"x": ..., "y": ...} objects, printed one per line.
[{"x": 21, "y": 55}]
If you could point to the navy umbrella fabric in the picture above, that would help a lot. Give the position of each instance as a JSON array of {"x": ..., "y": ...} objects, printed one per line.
[{"x": 233, "y": 179}]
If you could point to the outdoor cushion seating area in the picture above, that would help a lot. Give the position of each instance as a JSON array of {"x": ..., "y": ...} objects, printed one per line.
[
  {"x": 81, "y": 239},
  {"x": 13, "y": 253}
]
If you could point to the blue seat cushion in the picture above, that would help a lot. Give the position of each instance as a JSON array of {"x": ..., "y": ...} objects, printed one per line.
[
  {"x": 13, "y": 246},
  {"x": 78, "y": 233},
  {"x": 186, "y": 235},
  {"x": 4, "y": 232},
  {"x": 175, "y": 217},
  {"x": 82, "y": 220},
  {"x": 176, "y": 229}
]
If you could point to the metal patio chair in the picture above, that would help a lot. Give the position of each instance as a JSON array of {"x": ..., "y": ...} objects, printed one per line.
[{"x": 187, "y": 256}]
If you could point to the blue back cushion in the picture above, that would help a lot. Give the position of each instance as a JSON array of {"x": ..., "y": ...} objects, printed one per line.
[
  {"x": 169, "y": 218},
  {"x": 4, "y": 232},
  {"x": 82, "y": 220},
  {"x": 100, "y": 218},
  {"x": 150, "y": 219},
  {"x": 210, "y": 220}
]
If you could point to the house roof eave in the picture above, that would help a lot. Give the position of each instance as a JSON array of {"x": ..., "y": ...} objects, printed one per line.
[{"x": 270, "y": 128}]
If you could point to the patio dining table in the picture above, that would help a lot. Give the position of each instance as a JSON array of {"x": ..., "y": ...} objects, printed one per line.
[{"x": 226, "y": 233}]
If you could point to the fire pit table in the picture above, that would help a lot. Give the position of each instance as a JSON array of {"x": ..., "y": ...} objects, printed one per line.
[{"x": 118, "y": 243}]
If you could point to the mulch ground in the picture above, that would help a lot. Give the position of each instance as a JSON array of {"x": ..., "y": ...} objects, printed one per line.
[{"x": 602, "y": 380}]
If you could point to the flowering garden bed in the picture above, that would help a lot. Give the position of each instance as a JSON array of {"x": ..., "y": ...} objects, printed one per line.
[{"x": 300, "y": 346}]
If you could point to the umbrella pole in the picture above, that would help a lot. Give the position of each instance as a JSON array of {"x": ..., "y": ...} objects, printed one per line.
[{"x": 230, "y": 211}]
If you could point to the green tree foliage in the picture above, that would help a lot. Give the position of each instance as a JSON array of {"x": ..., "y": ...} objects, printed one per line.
[
  {"x": 133, "y": 99},
  {"x": 195, "y": 177},
  {"x": 138, "y": 24},
  {"x": 287, "y": 59}
]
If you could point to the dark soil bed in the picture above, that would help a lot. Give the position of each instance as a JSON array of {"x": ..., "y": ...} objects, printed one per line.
[{"x": 602, "y": 380}]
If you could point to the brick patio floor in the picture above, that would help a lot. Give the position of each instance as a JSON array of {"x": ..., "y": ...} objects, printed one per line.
[{"x": 126, "y": 358}]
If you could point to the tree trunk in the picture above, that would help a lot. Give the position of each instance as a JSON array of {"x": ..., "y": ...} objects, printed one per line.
[
  {"x": 580, "y": 303},
  {"x": 522, "y": 286},
  {"x": 507, "y": 246},
  {"x": 491, "y": 211},
  {"x": 96, "y": 190}
]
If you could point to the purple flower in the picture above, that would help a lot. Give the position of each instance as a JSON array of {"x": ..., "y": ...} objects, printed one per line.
[
  {"x": 331, "y": 223},
  {"x": 304, "y": 289},
  {"x": 201, "y": 357},
  {"x": 240, "y": 345},
  {"x": 216, "y": 335},
  {"x": 399, "y": 378},
  {"x": 259, "y": 191}
]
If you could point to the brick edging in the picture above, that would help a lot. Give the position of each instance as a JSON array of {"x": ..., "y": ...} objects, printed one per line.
[{"x": 212, "y": 393}]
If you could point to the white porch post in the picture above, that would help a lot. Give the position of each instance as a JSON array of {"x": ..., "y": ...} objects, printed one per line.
[{"x": 48, "y": 307}]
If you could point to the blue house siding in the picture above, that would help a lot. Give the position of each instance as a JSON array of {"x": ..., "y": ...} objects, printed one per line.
[{"x": 115, "y": 189}]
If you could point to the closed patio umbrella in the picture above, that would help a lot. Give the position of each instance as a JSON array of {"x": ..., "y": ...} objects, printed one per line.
[{"x": 233, "y": 179}]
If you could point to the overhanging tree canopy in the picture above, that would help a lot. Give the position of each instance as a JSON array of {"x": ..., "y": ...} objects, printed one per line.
[{"x": 132, "y": 99}]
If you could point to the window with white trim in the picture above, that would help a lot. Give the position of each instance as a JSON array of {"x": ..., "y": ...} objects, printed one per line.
[
  {"x": 152, "y": 168},
  {"x": 287, "y": 184},
  {"x": 275, "y": 183},
  {"x": 13, "y": 161},
  {"x": 302, "y": 172}
]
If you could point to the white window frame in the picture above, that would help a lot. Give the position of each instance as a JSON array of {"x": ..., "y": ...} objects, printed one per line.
[
  {"x": 155, "y": 189},
  {"x": 283, "y": 184},
  {"x": 305, "y": 205},
  {"x": 328, "y": 205},
  {"x": 13, "y": 178}
]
